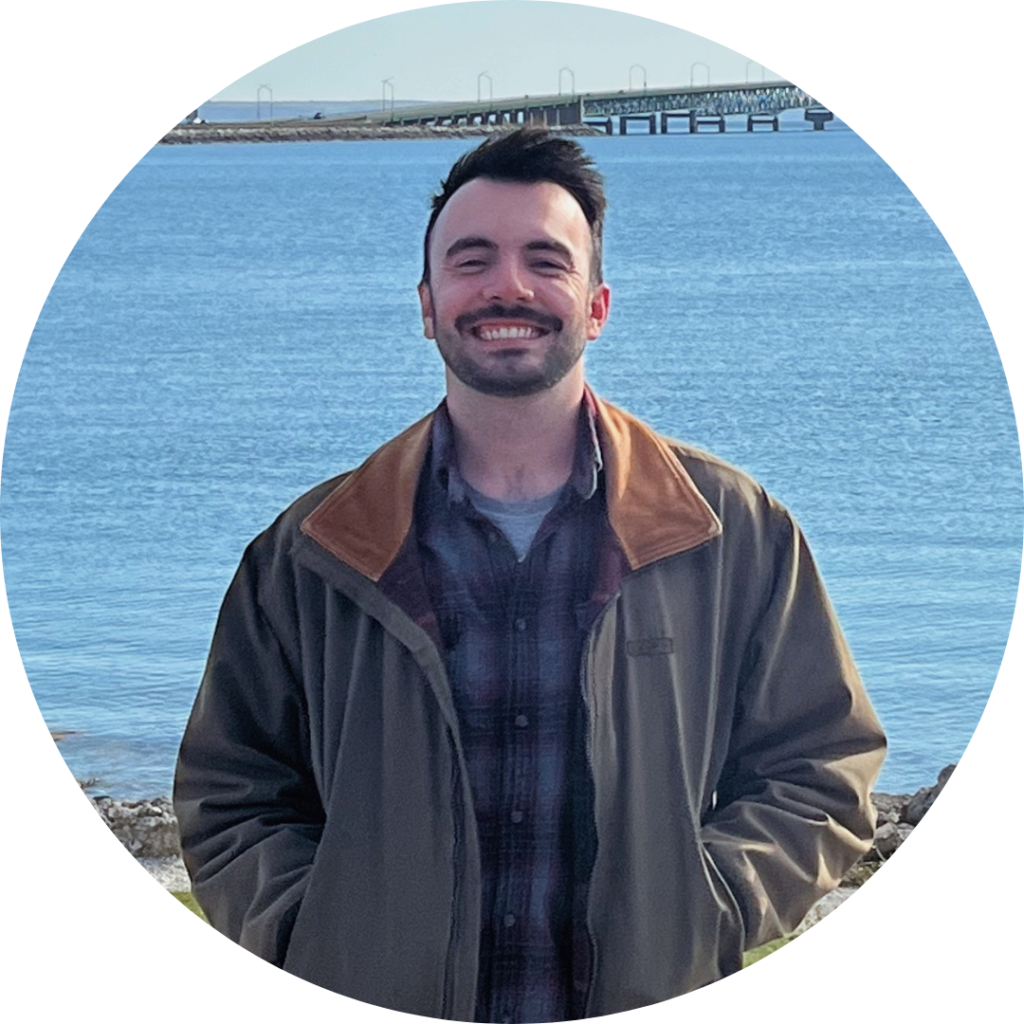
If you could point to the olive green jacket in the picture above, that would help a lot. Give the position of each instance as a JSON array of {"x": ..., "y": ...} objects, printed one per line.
[{"x": 322, "y": 793}]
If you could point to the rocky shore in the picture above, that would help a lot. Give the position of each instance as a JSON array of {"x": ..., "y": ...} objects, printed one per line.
[
  {"x": 149, "y": 831},
  {"x": 327, "y": 131},
  {"x": 896, "y": 816}
]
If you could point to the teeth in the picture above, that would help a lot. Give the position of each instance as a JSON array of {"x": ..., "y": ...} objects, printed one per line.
[{"x": 503, "y": 333}]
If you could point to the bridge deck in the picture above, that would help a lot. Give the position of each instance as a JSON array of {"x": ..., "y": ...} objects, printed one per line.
[{"x": 567, "y": 108}]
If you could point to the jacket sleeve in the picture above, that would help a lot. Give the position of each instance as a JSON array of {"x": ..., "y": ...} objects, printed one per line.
[
  {"x": 249, "y": 811},
  {"x": 793, "y": 810}
]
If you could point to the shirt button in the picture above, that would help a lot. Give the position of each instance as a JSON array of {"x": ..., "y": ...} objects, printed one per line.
[
  {"x": 510, "y": 919},
  {"x": 522, "y": 721},
  {"x": 516, "y": 816},
  {"x": 520, "y": 624}
]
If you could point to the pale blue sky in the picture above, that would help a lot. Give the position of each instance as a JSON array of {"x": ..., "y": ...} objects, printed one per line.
[{"x": 437, "y": 53}]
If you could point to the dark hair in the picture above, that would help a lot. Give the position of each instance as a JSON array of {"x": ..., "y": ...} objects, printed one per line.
[{"x": 529, "y": 155}]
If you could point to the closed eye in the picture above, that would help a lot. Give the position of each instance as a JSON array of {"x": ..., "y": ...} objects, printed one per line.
[
  {"x": 471, "y": 263},
  {"x": 550, "y": 256},
  {"x": 551, "y": 265}
]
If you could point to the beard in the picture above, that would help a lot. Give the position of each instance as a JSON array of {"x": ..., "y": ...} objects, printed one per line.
[{"x": 505, "y": 370}]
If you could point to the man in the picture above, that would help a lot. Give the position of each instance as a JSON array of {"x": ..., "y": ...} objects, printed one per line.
[{"x": 535, "y": 715}]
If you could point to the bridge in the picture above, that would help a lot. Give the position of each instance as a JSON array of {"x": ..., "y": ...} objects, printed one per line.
[{"x": 697, "y": 105}]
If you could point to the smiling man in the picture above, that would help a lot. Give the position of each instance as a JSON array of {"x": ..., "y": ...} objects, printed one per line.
[
  {"x": 536, "y": 715},
  {"x": 527, "y": 246}
]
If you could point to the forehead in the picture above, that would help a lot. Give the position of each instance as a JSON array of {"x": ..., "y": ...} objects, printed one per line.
[{"x": 511, "y": 213}]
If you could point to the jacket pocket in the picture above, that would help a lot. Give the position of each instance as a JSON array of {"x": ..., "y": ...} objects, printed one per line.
[
  {"x": 299, "y": 913},
  {"x": 731, "y": 930}
]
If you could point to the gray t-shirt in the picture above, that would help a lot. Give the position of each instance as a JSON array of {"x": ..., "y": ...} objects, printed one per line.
[{"x": 519, "y": 521}]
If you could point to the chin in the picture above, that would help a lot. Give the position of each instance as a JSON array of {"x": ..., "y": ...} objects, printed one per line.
[
  {"x": 518, "y": 386},
  {"x": 515, "y": 383}
]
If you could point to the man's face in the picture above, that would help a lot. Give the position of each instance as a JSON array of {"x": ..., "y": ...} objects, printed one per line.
[{"x": 510, "y": 301}]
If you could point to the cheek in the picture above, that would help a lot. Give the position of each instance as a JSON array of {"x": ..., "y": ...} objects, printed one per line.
[
  {"x": 450, "y": 300},
  {"x": 580, "y": 303}
]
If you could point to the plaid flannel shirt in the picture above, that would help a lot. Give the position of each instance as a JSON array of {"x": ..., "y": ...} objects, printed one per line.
[{"x": 511, "y": 634}]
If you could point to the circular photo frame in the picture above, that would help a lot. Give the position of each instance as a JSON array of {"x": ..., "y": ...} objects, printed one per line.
[{"x": 783, "y": 301}]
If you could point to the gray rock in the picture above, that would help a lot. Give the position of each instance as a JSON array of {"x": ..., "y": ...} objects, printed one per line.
[
  {"x": 897, "y": 814},
  {"x": 146, "y": 828},
  {"x": 169, "y": 872},
  {"x": 889, "y": 806},
  {"x": 887, "y": 839},
  {"x": 922, "y": 800},
  {"x": 824, "y": 907}
]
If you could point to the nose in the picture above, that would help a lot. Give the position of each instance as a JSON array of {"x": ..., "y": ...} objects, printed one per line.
[{"x": 507, "y": 283}]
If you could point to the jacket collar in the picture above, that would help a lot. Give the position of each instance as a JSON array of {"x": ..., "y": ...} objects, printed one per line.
[{"x": 654, "y": 508}]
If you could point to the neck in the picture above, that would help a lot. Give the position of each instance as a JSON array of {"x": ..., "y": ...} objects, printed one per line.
[{"x": 516, "y": 449}]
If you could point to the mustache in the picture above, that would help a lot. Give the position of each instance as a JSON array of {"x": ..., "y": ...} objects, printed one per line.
[{"x": 466, "y": 321}]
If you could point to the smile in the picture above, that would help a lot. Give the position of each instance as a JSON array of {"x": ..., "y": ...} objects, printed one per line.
[
  {"x": 503, "y": 332},
  {"x": 507, "y": 323}
]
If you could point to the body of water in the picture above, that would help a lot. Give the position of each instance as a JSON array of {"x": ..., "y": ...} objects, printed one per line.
[{"x": 240, "y": 322}]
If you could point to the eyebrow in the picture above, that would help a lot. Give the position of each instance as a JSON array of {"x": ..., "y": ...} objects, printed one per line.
[
  {"x": 471, "y": 242},
  {"x": 479, "y": 242}
]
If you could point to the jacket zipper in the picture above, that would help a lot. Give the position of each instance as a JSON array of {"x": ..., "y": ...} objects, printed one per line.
[
  {"x": 589, "y": 765},
  {"x": 586, "y": 684},
  {"x": 457, "y": 853}
]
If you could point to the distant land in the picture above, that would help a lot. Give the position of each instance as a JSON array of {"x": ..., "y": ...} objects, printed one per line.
[{"x": 234, "y": 111}]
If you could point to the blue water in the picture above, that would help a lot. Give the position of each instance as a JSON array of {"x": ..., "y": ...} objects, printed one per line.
[{"x": 240, "y": 322}]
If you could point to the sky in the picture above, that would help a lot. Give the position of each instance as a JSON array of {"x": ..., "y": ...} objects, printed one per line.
[{"x": 440, "y": 53}]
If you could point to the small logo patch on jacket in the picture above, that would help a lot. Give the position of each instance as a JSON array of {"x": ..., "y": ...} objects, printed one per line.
[{"x": 649, "y": 646}]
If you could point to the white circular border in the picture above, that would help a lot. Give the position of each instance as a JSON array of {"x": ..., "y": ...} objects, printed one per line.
[{"x": 90, "y": 87}]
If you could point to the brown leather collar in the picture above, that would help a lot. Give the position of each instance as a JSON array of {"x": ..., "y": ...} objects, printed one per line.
[{"x": 654, "y": 507}]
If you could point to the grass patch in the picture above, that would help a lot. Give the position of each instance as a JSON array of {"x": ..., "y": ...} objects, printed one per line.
[
  {"x": 190, "y": 901},
  {"x": 753, "y": 955}
]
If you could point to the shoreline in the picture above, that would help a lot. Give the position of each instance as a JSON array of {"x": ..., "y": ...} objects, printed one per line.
[
  {"x": 332, "y": 131},
  {"x": 148, "y": 829}
]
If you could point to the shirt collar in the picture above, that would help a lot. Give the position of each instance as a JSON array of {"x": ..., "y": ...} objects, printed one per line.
[{"x": 587, "y": 464}]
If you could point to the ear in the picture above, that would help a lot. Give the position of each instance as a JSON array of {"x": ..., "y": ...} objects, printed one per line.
[
  {"x": 427, "y": 310},
  {"x": 597, "y": 314}
]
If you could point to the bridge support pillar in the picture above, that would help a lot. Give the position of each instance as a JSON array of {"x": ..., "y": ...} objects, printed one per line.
[
  {"x": 652, "y": 122},
  {"x": 819, "y": 116},
  {"x": 667, "y": 118},
  {"x": 712, "y": 120},
  {"x": 756, "y": 119},
  {"x": 568, "y": 113}
]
